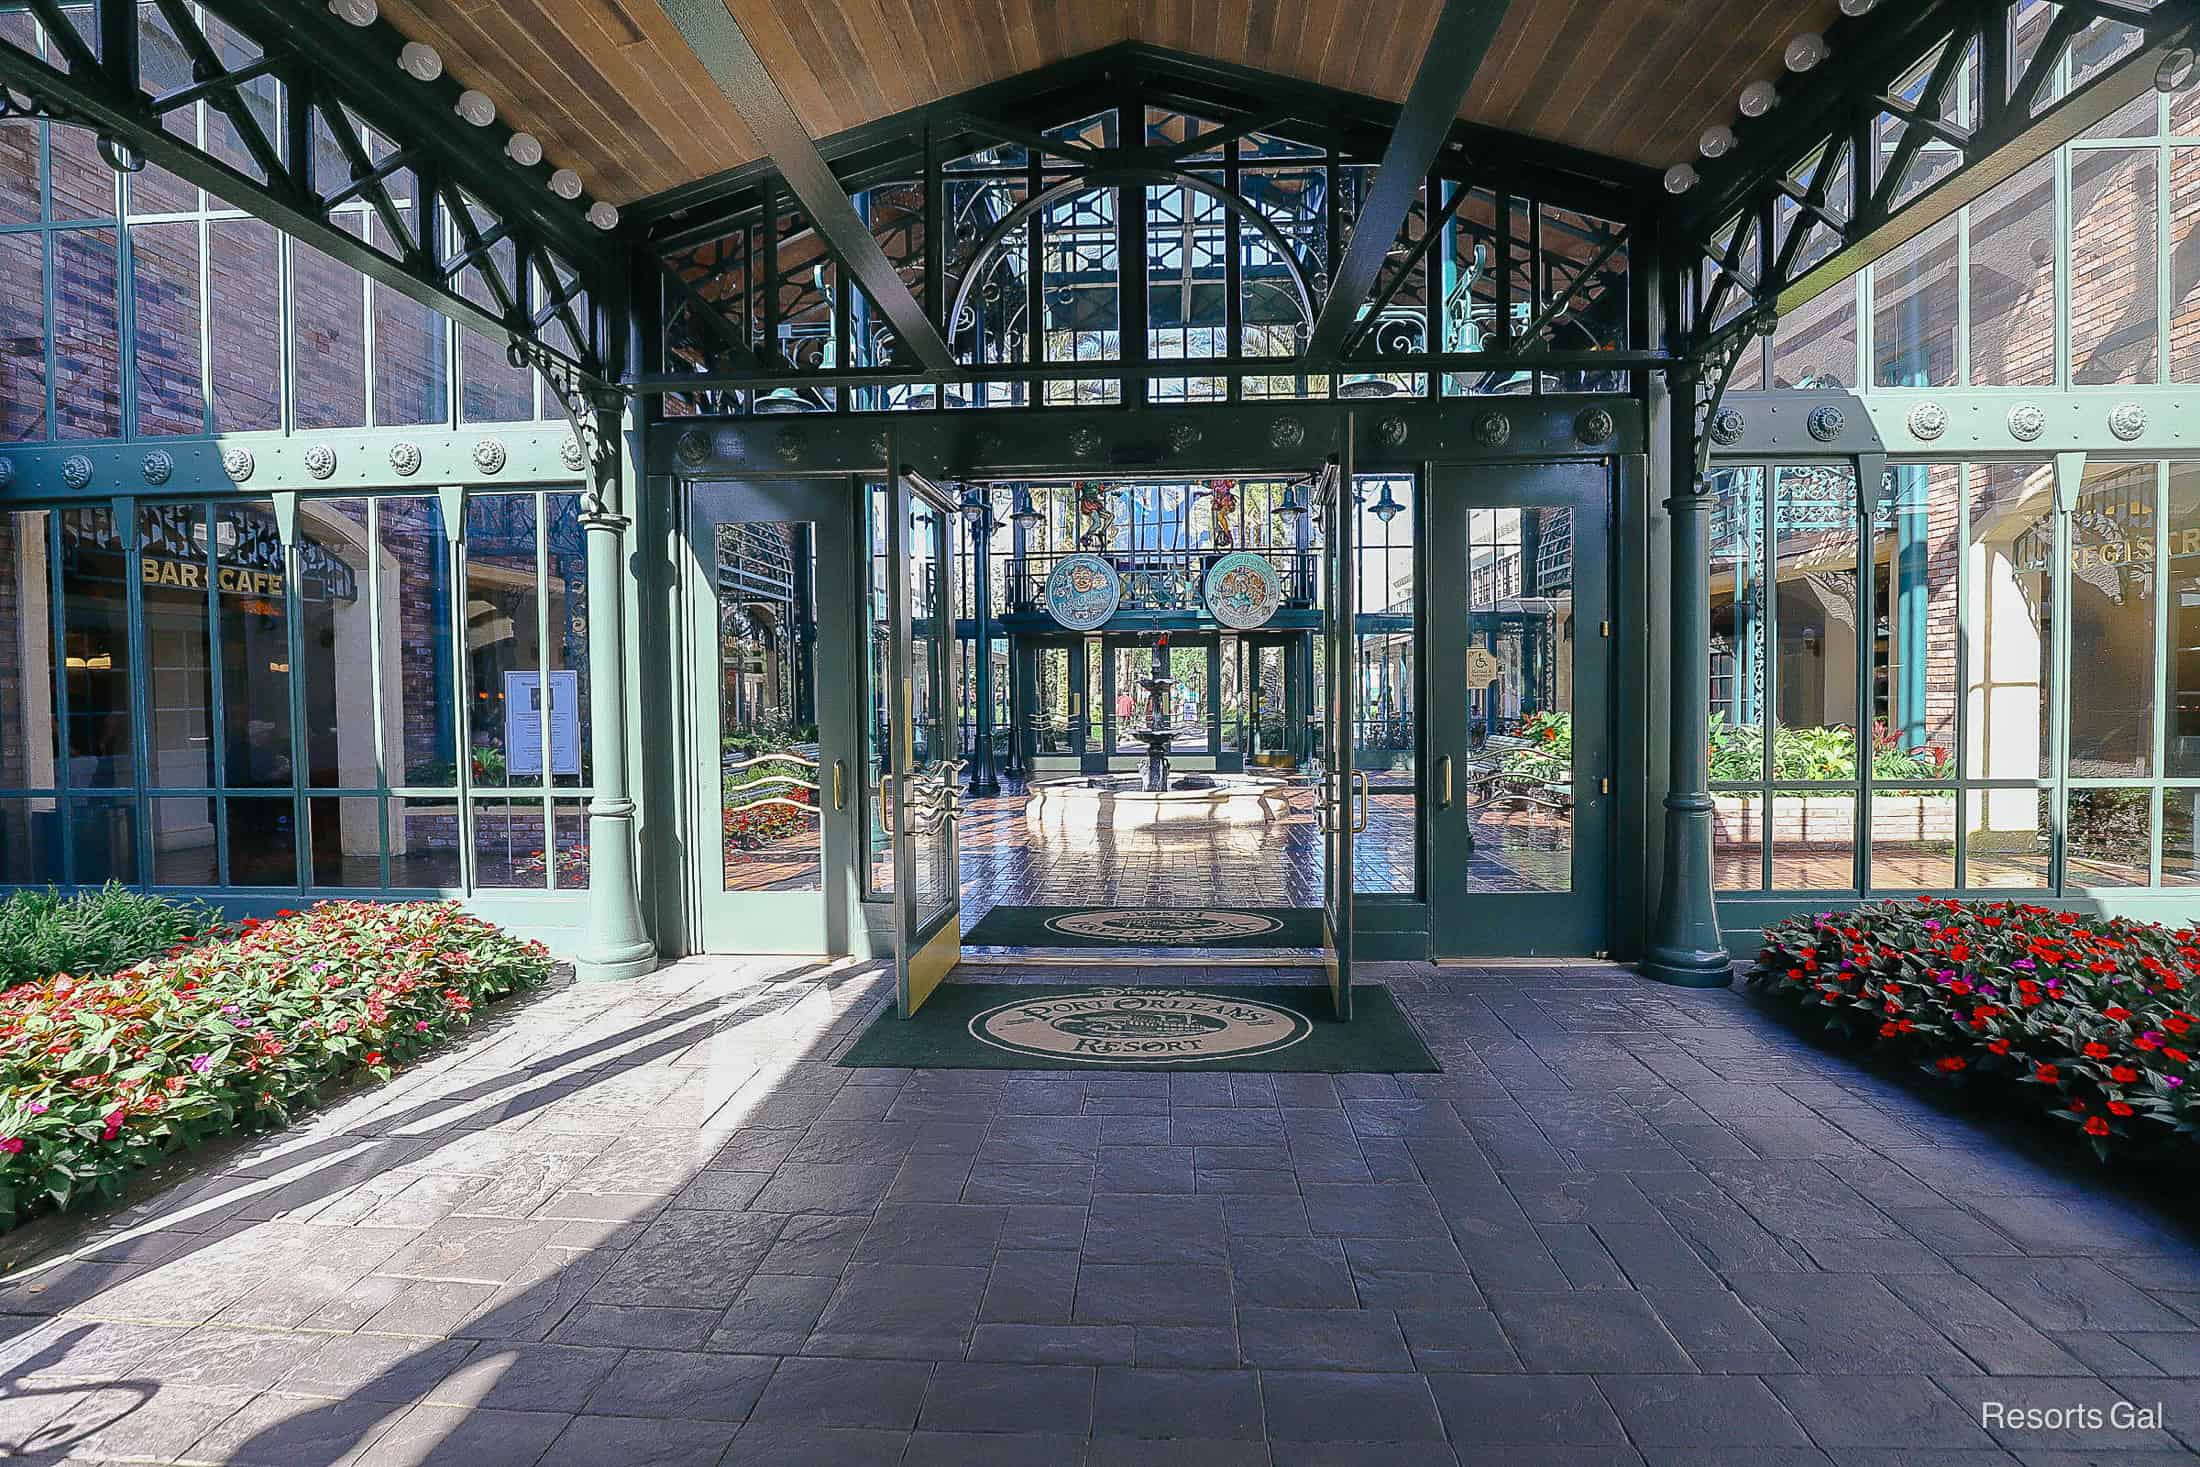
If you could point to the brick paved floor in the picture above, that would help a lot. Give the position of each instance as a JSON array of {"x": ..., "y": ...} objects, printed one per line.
[{"x": 650, "y": 1223}]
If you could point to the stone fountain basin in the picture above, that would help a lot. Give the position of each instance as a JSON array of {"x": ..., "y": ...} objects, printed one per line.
[{"x": 1120, "y": 802}]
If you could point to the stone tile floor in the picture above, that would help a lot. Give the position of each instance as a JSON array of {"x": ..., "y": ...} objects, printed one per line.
[{"x": 652, "y": 1223}]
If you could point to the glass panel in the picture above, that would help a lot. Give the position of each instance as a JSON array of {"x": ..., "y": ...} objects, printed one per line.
[
  {"x": 263, "y": 841},
  {"x": 1519, "y": 788},
  {"x": 1917, "y": 552},
  {"x": 328, "y": 339},
  {"x": 179, "y": 676},
  {"x": 164, "y": 288},
  {"x": 246, "y": 370},
  {"x": 1913, "y": 839},
  {"x": 22, "y": 184},
  {"x": 1813, "y": 840},
  {"x": 22, "y": 338},
  {"x": 1187, "y": 318},
  {"x": 2181, "y": 837},
  {"x": 2112, "y": 578},
  {"x": 1053, "y": 700},
  {"x": 492, "y": 390},
  {"x": 2007, "y": 837},
  {"x": 1385, "y": 856},
  {"x": 26, "y": 654},
  {"x": 2107, "y": 835},
  {"x": 2008, "y": 612},
  {"x": 503, "y": 641},
  {"x": 1737, "y": 841},
  {"x": 565, "y": 654},
  {"x": 508, "y": 844},
  {"x": 571, "y": 827},
  {"x": 2012, "y": 281},
  {"x": 420, "y": 707},
  {"x": 253, "y": 634},
  {"x": 2182, "y": 756},
  {"x": 770, "y": 815},
  {"x": 932, "y": 741},
  {"x": 412, "y": 358},
  {"x": 87, "y": 335},
  {"x": 347, "y": 841},
  {"x": 1815, "y": 593},
  {"x": 424, "y": 843},
  {"x": 879, "y": 722},
  {"x": 105, "y": 832},
  {"x": 336, "y": 642},
  {"x": 2115, "y": 318},
  {"x": 96, "y": 649},
  {"x": 30, "y": 842},
  {"x": 2184, "y": 252},
  {"x": 1914, "y": 311},
  {"x": 1737, "y": 625}
]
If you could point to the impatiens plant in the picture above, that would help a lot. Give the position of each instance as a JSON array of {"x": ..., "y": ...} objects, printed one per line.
[
  {"x": 2093, "y": 1018},
  {"x": 102, "y": 1075}
]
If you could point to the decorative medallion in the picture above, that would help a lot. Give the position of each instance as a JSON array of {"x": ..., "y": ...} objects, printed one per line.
[
  {"x": 238, "y": 463},
  {"x": 1493, "y": 430},
  {"x": 1728, "y": 425},
  {"x": 76, "y": 471},
  {"x": 1182, "y": 436},
  {"x": 1826, "y": 423},
  {"x": 788, "y": 445},
  {"x": 1142, "y": 1026},
  {"x": 1390, "y": 431},
  {"x": 1286, "y": 432},
  {"x": 878, "y": 448},
  {"x": 1928, "y": 420},
  {"x": 571, "y": 454},
  {"x": 2127, "y": 420},
  {"x": 320, "y": 460},
  {"x": 1083, "y": 591},
  {"x": 1242, "y": 590},
  {"x": 159, "y": 466},
  {"x": 1595, "y": 425},
  {"x": 7, "y": 472},
  {"x": 2026, "y": 422},
  {"x": 405, "y": 459},
  {"x": 489, "y": 456},
  {"x": 1164, "y": 926},
  {"x": 1084, "y": 442},
  {"x": 693, "y": 449}
]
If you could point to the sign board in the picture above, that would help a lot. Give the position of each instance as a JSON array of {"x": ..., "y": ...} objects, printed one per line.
[
  {"x": 523, "y": 723},
  {"x": 1482, "y": 667}
]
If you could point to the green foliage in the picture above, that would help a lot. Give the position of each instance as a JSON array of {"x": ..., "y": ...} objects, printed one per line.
[
  {"x": 2090, "y": 1018},
  {"x": 100, "y": 1076},
  {"x": 1549, "y": 754},
  {"x": 1820, "y": 754},
  {"x": 93, "y": 932}
]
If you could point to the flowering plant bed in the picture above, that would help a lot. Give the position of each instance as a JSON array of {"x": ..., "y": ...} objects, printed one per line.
[
  {"x": 2093, "y": 1018},
  {"x": 102, "y": 1075}
]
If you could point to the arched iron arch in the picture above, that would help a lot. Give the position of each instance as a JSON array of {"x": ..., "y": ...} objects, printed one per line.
[{"x": 1120, "y": 177}]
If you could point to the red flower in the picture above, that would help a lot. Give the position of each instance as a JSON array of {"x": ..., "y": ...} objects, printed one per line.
[
  {"x": 1951, "y": 1063},
  {"x": 2096, "y": 1125},
  {"x": 2116, "y": 1011},
  {"x": 2119, "y": 1108},
  {"x": 2123, "y": 1074},
  {"x": 2047, "y": 1075},
  {"x": 2096, "y": 1050},
  {"x": 1998, "y": 1046}
]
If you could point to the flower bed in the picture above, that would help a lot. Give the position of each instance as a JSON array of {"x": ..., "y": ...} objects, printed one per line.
[
  {"x": 102, "y": 1075},
  {"x": 2091, "y": 1017}
]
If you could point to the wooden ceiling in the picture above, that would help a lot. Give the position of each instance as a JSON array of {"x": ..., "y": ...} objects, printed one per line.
[{"x": 614, "y": 92}]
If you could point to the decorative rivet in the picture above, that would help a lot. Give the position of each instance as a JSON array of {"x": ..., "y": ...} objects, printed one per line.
[
  {"x": 1182, "y": 436},
  {"x": 2026, "y": 422},
  {"x": 1084, "y": 442},
  {"x": 1390, "y": 431},
  {"x": 7, "y": 472},
  {"x": 1595, "y": 425},
  {"x": 1826, "y": 423},
  {"x": 159, "y": 466},
  {"x": 570, "y": 454},
  {"x": 1493, "y": 430},
  {"x": 320, "y": 460},
  {"x": 405, "y": 459},
  {"x": 788, "y": 445},
  {"x": 693, "y": 449},
  {"x": 238, "y": 463},
  {"x": 1928, "y": 420},
  {"x": 1286, "y": 432},
  {"x": 2127, "y": 420},
  {"x": 76, "y": 471},
  {"x": 1728, "y": 425},
  {"x": 489, "y": 456}
]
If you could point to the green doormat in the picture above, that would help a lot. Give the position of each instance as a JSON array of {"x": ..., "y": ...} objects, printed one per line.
[
  {"x": 1028, "y": 1026},
  {"x": 1147, "y": 927}
]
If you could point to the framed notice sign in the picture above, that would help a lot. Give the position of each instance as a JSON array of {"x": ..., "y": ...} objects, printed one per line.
[{"x": 523, "y": 714}]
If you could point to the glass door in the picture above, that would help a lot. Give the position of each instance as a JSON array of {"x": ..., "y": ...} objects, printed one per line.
[
  {"x": 773, "y": 678},
  {"x": 1340, "y": 800},
  {"x": 922, "y": 789},
  {"x": 1521, "y": 795}
]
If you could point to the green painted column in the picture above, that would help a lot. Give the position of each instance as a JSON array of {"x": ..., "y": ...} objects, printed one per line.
[
  {"x": 615, "y": 942},
  {"x": 1685, "y": 947}
]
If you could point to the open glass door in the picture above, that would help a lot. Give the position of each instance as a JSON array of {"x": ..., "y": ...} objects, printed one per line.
[
  {"x": 922, "y": 789},
  {"x": 1340, "y": 808}
]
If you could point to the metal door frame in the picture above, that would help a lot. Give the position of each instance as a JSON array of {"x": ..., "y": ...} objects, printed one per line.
[{"x": 924, "y": 800}]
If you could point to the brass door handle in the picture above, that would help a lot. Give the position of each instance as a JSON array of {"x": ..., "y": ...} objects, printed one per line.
[
  {"x": 840, "y": 784},
  {"x": 1443, "y": 782},
  {"x": 1366, "y": 801}
]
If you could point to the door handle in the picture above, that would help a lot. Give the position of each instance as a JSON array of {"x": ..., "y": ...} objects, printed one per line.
[
  {"x": 840, "y": 784},
  {"x": 1359, "y": 777},
  {"x": 1443, "y": 782}
]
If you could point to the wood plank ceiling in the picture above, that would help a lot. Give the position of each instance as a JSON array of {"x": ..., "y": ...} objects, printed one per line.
[{"x": 613, "y": 91}]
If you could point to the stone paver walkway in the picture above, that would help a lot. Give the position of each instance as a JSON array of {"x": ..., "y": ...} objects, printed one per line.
[{"x": 652, "y": 1223}]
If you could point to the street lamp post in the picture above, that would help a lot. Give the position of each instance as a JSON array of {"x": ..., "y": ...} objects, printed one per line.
[{"x": 978, "y": 507}]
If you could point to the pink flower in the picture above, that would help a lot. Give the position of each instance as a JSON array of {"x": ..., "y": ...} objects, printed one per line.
[
  {"x": 201, "y": 1063},
  {"x": 421, "y": 1026},
  {"x": 38, "y": 1107},
  {"x": 12, "y": 1145}
]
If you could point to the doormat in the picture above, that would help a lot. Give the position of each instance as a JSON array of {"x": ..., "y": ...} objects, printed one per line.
[
  {"x": 1026, "y": 1026},
  {"x": 1147, "y": 927}
]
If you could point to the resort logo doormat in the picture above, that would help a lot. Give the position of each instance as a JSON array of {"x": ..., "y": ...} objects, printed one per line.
[
  {"x": 1020, "y": 1026},
  {"x": 1250, "y": 927}
]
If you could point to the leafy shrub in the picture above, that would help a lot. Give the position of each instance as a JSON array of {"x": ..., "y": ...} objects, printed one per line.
[
  {"x": 2091, "y": 1017},
  {"x": 102, "y": 1075},
  {"x": 1549, "y": 754},
  {"x": 1821, "y": 753},
  {"x": 93, "y": 932}
]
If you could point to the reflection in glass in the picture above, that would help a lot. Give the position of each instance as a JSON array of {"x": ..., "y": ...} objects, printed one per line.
[
  {"x": 508, "y": 843},
  {"x": 1519, "y": 782},
  {"x": 504, "y": 641},
  {"x": 420, "y": 706},
  {"x": 96, "y": 648},
  {"x": 931, "y": 742},
  {"x": 105, "y": 834},
  {"x": 424, "y": 843},
  {"x": 336, "y": 641},
  {"x": 1385, "y": 856},
  {"x": 771, "y": 821},
  {"x": 263, "y": 840},
  {"x": 2112, "y": 590},
  {"x": 253, "y": 636},
  {"x": 26, "y": 652},
  {"x": 2007, "y": 838},
  {"x": 184, "y": 848},
  {"x": 2107, "y": 834},
  {"x": 347, "y": 840},
  {"x": 878, "y": 839}
]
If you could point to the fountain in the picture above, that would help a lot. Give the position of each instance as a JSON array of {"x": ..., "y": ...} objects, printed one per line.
[{"x": 1160, "y": 729}]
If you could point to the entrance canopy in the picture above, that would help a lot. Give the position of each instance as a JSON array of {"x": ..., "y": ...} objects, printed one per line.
[{"x": 648, "y": 195}]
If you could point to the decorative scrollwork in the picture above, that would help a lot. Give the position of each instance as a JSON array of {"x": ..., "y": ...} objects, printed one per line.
[
  {"x": 693, "y": 449},
  {"x": 569, "y": 454},
  {"x": 7, "y": 471},
  {"x": 320, "y": 460},
  {"x": 595, "y": 412},
  {"x": 1182, "y": 436},
  {"x": 1727, "y": 426},
  {"x": 789, "y": 445}
]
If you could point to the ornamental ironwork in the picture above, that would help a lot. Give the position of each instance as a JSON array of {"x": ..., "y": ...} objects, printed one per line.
[
  {"x": 1493, "y": 430},
  {"x": 76, "y": 471},
  {"x": 320, "y": 461},
  {"x": 1928, "y": 420},
  {"x": 1286, "y": 432},
  {"x": 1728, "y": 425},
  {"x": 405, "y": 459},
  {"x": 238, "y": 463},
  {"x": 158, "y": 466},
  {"x": 693, "y": 449},
  {"x": 489, "y": 456},
  {"x": 2127, "y": 420},
  {"x": 1390, "y": 431},
  {"x": 1595, "y": 426},
  {"x": 1084, "y": 442},
  {"x": 2026, "y": 422},
  {"x": 1826, "y": 422}
]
